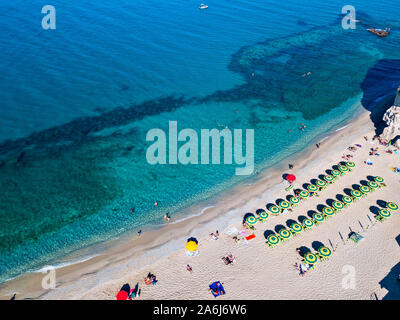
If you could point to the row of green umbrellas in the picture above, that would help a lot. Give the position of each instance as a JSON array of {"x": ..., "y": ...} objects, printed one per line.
[{"x": 386, "y": 212}]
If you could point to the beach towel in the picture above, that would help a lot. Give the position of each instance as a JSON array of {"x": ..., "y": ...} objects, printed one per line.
[
  {"x": 252, "y": 236},
  {"x": 217, "y": 289},
  {"x": 231, "y": 231}
]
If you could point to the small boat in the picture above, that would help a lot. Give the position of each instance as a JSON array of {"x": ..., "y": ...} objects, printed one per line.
[
  {"x": 380, "y": 32},
  {"x": 203, "y": 6}
]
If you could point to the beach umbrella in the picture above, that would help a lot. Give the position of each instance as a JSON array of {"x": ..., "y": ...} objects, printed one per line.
[
  {"x": 328, "y": 178},
  {"x": 284, "y": 234},
  {"x": 338, "y": 205},
  {"x": 191, "y": 246},
  {"x": 304, "y": 194},
  {"x": 356, "y": 193},
  {"x": 320, "y": 183},
  {"x": 343, "y": 168},
  {"x": 384, "y": 213},
  {"x": 310, "y": 258},
  {"x": 318, "y": 217},
  {"x": 308, "y": 223},
  {"x": 251, "y": 220},
  {"x": 290, "y": 178},
  {"x": 294, "y": 200},
  {"x": 350, "y": 164},
  {"x": 347, "y": 199},
  {"x": 122, "y": 295},
  {"x": 273, "y": 239},
  {"x": 335, "y": 173},
  {"x": 378, "y": 179},
  {"x": 296, "y": 227},
  {"x": 263, "y": 215},
  {"x": 324, "y": 252},
  {"x": 312, "y": 188},
  {"x": 328, "y": 211},
  {"x": 392, "y": 206},
  {"x": 373, "y": 185},
  {"x": 284, "y": 204},
  {"x": 365, "y": 189},
  {"x": 274, "y": 209}
]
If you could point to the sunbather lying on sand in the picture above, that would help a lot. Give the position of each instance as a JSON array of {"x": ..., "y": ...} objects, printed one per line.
[{"x": 228, "y": 260}]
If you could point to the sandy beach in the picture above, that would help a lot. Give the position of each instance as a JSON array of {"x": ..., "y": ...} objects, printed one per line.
[{"x": 259, "y": 272}]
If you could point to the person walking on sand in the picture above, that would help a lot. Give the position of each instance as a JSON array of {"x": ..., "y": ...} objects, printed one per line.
[{"x": 189, "y": 268}]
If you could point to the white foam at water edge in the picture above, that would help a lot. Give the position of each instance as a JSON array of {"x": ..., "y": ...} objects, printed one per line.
[
  {"x": 341, "y": 128},
  {"x": 64, "y": 264},
  {"x": 193, "y": 215}
]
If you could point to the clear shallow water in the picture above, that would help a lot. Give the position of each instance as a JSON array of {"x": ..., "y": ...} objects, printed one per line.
[{"x": 68, "y": 182}]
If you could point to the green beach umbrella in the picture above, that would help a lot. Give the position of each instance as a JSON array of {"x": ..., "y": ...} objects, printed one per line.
[
  {"x": 285, "y": 234},
  {"x": 378, "y": 179},
  {"x": 328, "y": 178},
  {"x": 365, "y": 189},
  {"x": 312, "y": 188},
  {"x": 328, "y": 211},
  {"x": 347, "y": 199},
  {"x": 350, "y": 164},
  {"x": 343, "y": 168},
  {"x": 310, "y": 258},
  {"x": 263, "y": 215},
  {"x": 384, "y": 213},
  {"x": 294, "y": 200},
  {"x": 338, "y": 205},
  {"x": 324, "y": 252},
  {"x": 392, "y": 206},
  {"x": 304, "y": 194},
  {"x": 251, "y": 220},
  {"x": 318, "y": 217},
  {"x": 284, "y": 204},
  {"x": 296, "y": 227},
  {"x": 274, "y": 209},
  {"x": 320, "y": 183},
  {"x": 335, "y": 173},
  {"x": 308, "y": 223},
  {"x": 273, "y": 239},
  {"x": 373, "y": 184},
  {"x": 356, "y": 193}
]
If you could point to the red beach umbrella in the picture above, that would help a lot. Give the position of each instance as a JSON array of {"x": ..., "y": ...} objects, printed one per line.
[
  {"x": 290, "y": 177},
  {"x": 122, "y": 295}
]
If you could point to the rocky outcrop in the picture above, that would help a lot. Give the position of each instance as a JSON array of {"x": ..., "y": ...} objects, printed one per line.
[{"x": 392, "y": 119}]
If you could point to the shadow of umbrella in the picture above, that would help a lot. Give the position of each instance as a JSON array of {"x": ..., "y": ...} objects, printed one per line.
[
  {"x": 329, "y": 202},
  {"x": 317, "y": 244},
  {"x": 267, "y": 233},
  {"x": 364, "y": 183},
  {"x": 347, "y": 191},
  {"x": 356, "y": 186},
  {"x": 258, "y": 211},
  {"x": 192, "y": 239},
  {"x": 301, "y": 219},
  {"x": 371, "y": 178},
  {"x": 329, "y": 171},
  {"x": 374, "y": 210},
  {"x": 289, "y": 222},
  {"x": 303, "y": 250},
  {"x": 381, "y": 203},
  {"x": 321, "y": 177},
  {"x": 279, "y": 227},
  {"x": 335, "y": 167},
  {"x": 311, "y": 213},
  {"x": 339, "y": 197}
]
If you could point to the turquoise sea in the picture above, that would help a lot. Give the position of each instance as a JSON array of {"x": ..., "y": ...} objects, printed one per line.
[{"x": 76, "y": 104}]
